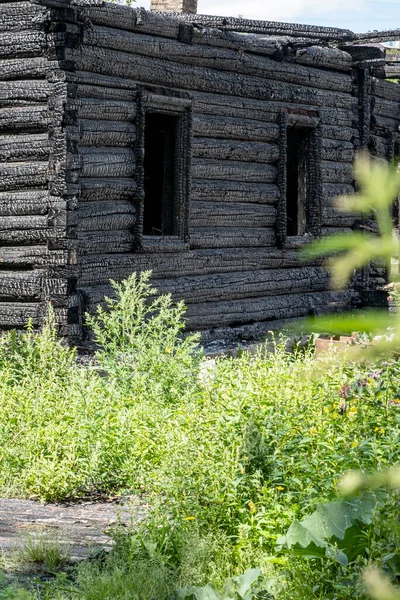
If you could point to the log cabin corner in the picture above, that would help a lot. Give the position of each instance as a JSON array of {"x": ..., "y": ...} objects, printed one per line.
[{"x": 207, "y": 149}]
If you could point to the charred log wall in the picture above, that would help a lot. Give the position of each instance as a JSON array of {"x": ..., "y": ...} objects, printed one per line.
[
  {"x": 71, "y": 96},
  {"x": 34, "y": 253},
  {"x": 233, "y": 272}
]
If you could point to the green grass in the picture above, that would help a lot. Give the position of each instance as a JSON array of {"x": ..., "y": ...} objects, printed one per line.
[{"x": 229, "y": 452}]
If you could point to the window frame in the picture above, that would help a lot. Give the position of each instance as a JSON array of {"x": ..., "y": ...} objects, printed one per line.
[
  {"x": 180, "y": 107},
  {"x": 309, "y": 120}
]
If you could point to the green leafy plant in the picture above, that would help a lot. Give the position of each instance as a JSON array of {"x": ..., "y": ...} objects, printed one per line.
[
  {"x": 243, "y": 587},
  {"x": 337, "y": 530}
]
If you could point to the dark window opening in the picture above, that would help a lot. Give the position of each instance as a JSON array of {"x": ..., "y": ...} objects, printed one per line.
[
  {"x": 159, "y": 174},
  {"x": 297, "y": 176}
]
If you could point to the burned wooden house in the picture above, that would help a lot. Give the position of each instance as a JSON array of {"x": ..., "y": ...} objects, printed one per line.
[{"x": 206, "y": 149}]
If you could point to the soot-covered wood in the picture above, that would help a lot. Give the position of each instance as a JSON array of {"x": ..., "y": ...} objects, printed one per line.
[{"x": 74, "y": 77}]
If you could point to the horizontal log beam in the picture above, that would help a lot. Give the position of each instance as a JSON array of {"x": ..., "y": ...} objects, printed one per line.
[
  {"x": 24, "y": 147},
  {"x": 220, "y": 59},
  {"x": 17, "y": 314},
  {"x": 162, "y": 72},
  {"x": 103, "y": 109},
  {"x": 20, "y": 285},
  {"x": 27, "y": 202},
  {"x": 337, "y": 151},
  {"x": 107, "y": 162},
  {"x": 233, "y": 171},
  {"x": 18, "y": 16},
  {"x": 323, "y": 57},
  {"x": 106, "y": 133},
  {"x": 233, "y": 312},
  {"x": 229, "y": 286},
  {"x": 234, "y": 129},
  {"x": 235, "y": 150},
  {"x": 106, "y": 189},
  {"x": 229, "y": 237},
  {"x": 335, "y": 172},
  {"x": 24, "y": 68},
  {"x": 19, "y": 44},
  {"x": 19, "y": 93},
  {"x": 100, "y": 268},
  {"x": 36, "y": 256},
  {"x": 112, "y": 242},
  {"x": 26, "y": 118},
  {"x": 20, "y": 175},
  {"x": 223, "y": 214},
  {"x": 386, "y": 89},
  {"x": 234, "y": 191}
]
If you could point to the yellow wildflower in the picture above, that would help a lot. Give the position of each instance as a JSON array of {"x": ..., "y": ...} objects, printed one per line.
[
  {"x": 252, "y": 507},
  {"x": 382, "y": 430},
  {"x": 189, "y": 518},
  {"x": 313, "y": 431},
  {"x": 354, "y": 444},
  {"x": 376, "y": 429},
  {"x": 280, "y": 488},
  {"x": 353, "y": 411}
]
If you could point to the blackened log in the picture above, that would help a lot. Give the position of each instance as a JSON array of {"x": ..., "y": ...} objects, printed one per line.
[
  {"x": 234, "y": 191},
  {"x": 24, "y": 68},
  {"x": 25, "y": 118},
  {"x": 335, "y": 172},
  {"x": 333, "y": 217},
  {"x": 229, "y": 237},
  {"x": 27, "y": 202},
  {"x": 346, "y": 134},
  {"x": 106, "y": 216},
  {"x": 106, "y": 133},
  {"x": 107, "y": 162},
  {"x": 386, "y": 89},
  {"x": 20, "y": 285},
  {"x": 268, "y": 27},
  {"x": 233, "y": 171},
  {"x": 27, "y": 256},
  {"x": 224, "y": 214},
  {"x": 19, "y": 93},
  {"x": 361, "y": 53},
  {"x": 266, "y": 111},
  {"x": 331, "y": 191},
  {"x": 337, "y": 150},
  {"x": 235, "y": 150},
  {"x": 17, "y": 314},
  {"x": 229, "y": 286},
  {"x": 103, "y": 92},
  {"x": 22, "y": 44},
  {"x": 215, "y": 58},
  {"x": 384, "y": 123},
  {"x": 100, "y": 268},
  {"x": 162, "y": 72},
  {"x": 106, "y": 189},
  {"x": 94, "y": 242},
  {"x": 217, "y": 314},
  {"x": 140, "y": 20},
  {"x": 20, "y": 175},
  {"x": 386, "y": 108},
  {"x": 322, "y": 57},
  {"x": 24, "y": 147},
  {"x": 234, "y": 129},
  {"x": 109, "y": 110},
  {"x": 19, "y": 16}
]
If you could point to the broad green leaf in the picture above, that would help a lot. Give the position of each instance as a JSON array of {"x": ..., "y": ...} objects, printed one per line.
[
  {"x": 244, "y": 584},
  {"x": 336, "y": 529},
  {"x": 197, "y": 593}
]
